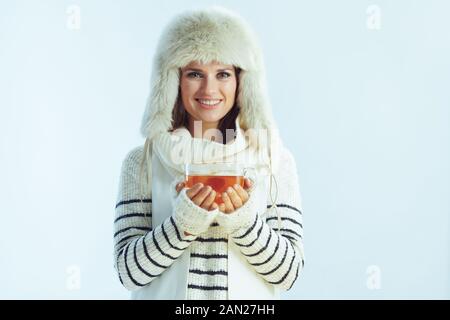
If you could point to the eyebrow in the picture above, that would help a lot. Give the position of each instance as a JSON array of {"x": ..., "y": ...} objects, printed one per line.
[{"x": 219, "y": 70}]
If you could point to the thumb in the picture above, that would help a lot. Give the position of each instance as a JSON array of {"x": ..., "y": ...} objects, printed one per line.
[
  {"x": 179, "y": 186},
  {"x": 248, "y": 183}
]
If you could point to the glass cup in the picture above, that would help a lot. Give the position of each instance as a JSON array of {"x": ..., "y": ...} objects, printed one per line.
[{"x": 218, "y": 176}]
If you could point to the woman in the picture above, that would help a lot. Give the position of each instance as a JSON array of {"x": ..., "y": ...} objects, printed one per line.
[{"x": 174, "y": 242}]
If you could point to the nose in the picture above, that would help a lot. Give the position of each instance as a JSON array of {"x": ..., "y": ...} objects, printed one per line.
[{"x": 210, "y": 86}]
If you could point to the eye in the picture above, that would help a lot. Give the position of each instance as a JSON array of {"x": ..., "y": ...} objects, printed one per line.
[
  {"x": 224, "y": 75},
  {"x": 194, "y": 74}
]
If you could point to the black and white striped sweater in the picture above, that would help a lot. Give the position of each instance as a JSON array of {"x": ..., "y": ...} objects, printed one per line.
[{"x": 143, "y": 251}]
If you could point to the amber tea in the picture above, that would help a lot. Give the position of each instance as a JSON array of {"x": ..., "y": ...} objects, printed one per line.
[
  {"x": 218, "y": 183},
  {"x": 218, "y": 176}
]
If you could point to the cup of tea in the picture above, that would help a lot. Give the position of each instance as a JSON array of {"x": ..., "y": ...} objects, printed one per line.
[{"x": 219, "y": 176}]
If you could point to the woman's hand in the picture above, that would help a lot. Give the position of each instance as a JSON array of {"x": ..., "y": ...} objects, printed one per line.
[
  {"x": 202, "y": 196},
  {"x": 235, "y": 197}
]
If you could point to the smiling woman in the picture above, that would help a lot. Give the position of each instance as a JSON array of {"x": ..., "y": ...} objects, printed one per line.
[
  {"x": 175, "y": 242},
  {"x": 208, "y": 93}
]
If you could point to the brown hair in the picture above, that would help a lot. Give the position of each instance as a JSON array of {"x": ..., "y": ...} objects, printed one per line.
[{"x": 180, "y": 117}]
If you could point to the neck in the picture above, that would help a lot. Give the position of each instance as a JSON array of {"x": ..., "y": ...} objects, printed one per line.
[{"x": 203, "y": 129}]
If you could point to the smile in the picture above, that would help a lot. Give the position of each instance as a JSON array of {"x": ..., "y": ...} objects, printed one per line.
[{"x": 209, "y": 104}]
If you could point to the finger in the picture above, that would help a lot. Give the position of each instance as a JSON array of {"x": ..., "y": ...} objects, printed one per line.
[
  {"x": 214, "y": 206},
  {"x": 180, "y": 186},
  {"x": 235, "y": 199},
  {"x": 201, "y": 195},
  {"x": 209, "y": 200},
  {"x": 241, "y": 192},
  {"x": 228, "y": 205},
  {"x": 248, "y": 183},
  {"x": 194, "y": 190},
  {"x": 222, "y": 207}
]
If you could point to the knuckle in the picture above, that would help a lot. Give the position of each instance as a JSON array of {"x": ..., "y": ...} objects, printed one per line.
[{"x": 205, "y": 190}]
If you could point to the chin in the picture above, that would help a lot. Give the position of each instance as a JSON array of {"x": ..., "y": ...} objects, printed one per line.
[{"x": 210, "y": 117}]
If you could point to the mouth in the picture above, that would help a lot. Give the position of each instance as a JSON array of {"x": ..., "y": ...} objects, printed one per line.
[{"x": 209, "y": 104}]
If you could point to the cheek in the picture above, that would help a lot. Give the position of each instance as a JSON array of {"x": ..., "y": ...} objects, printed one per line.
[
  {"x": 229, "y": 90},
  {"x": 188, "y": 90}
]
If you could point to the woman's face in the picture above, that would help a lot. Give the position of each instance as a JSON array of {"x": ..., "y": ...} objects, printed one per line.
[{"x": 208, "y": 91}]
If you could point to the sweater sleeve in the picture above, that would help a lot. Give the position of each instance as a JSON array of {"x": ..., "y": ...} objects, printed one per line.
[
  {"x": 275, "y": 251},
  {"x": 142, "y": 252}
]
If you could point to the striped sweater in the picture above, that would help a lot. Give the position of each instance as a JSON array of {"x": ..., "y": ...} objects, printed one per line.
[{"x": 143, "y": 251}]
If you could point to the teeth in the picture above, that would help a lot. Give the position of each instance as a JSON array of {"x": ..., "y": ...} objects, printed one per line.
[{"x": 209, "y": 102}]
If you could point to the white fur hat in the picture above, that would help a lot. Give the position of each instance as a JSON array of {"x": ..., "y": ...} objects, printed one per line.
[{"x": 204, "y": 36}]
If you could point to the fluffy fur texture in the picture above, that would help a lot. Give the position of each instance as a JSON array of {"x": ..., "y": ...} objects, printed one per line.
[{"x": 207, "y": 35}]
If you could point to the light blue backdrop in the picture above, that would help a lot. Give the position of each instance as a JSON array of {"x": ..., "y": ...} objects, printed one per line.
[{"x": 360, "y": 90}]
